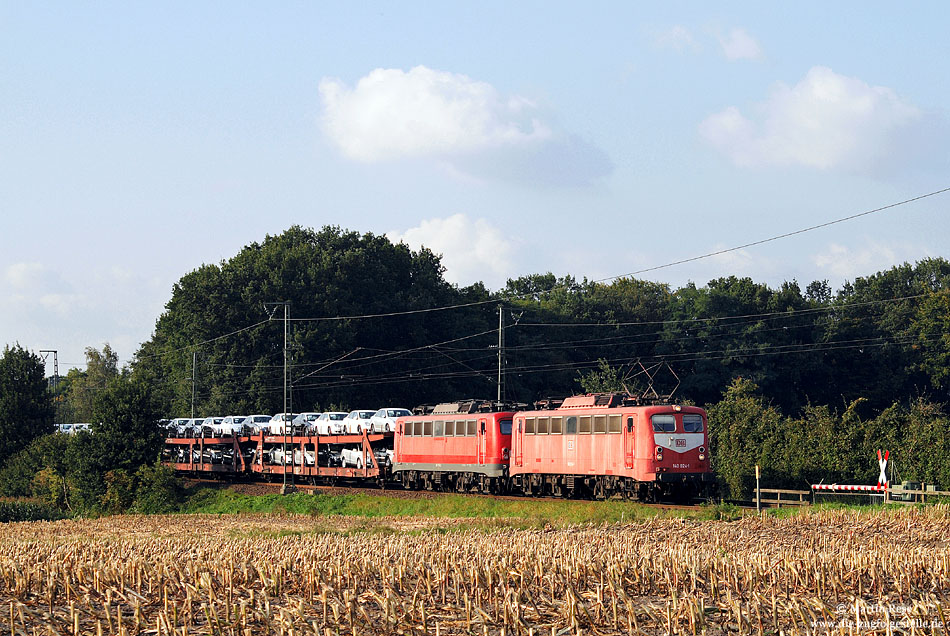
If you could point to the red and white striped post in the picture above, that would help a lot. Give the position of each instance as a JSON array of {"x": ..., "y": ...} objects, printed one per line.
[{"x": 882, "y": 478}]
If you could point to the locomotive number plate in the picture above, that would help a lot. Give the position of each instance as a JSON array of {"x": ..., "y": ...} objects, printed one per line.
[{"x": 680, "y": 465}]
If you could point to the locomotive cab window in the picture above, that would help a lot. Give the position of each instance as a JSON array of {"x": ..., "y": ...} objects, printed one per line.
[
  {"x": 692, "y": 423},
  {"x": 557, "y": 426},
  {"x": 665, "y": 423},
  {"x": 505, "y": 427}
]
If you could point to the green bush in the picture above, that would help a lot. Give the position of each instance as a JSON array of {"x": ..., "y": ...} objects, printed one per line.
[
  {"x": 119, "y": 492},
  {"x": 157, "y": 491},
  {"x": 27, "y": 511}
]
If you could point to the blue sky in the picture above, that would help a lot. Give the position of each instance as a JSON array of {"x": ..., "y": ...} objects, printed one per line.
[{"x": 138, "y": 141}]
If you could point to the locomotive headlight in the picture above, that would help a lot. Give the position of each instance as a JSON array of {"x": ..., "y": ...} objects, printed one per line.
[
  {"x": 702, "y": 456},
  {"x": 702, "y": 449},
  {"x": 659, "y": 453}
]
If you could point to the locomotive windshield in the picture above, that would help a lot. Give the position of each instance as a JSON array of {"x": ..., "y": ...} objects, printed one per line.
[
  {"x": 505, "y": 427},
  {"x": 692, "y": 423},
  {"x": 665, "y": 423}
]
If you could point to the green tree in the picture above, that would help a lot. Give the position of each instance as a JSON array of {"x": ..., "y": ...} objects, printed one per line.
[
  {"x": 83, "y": 386},
  {"x": 744, "y": 430},
  {"x": 125, "y": 437},
  {"x": 126, "y": 427},
  {"x": 26, "y": 407},
  {"x": 603, "y": 379},
  {"x": 325, "y": 275},
  {"x": 932, "y": 330}
]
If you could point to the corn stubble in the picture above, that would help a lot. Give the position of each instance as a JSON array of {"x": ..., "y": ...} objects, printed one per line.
[{"x": 247, "y": 575}]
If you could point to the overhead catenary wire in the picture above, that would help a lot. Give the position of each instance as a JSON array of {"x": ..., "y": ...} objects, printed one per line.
[
  {"x": 641, "y": 271},
  {"x": 647, "y": 269},
  {"x": 347, "y": 379},
  {"x": 576, "y": 366},
  {"x": 720, "y": 321},
  {"x": 723, "y": 320}
]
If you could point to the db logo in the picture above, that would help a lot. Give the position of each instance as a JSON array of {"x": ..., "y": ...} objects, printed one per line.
[{"x": 681, "y": 442}]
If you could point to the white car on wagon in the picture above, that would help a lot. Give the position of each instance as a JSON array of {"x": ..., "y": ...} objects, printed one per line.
[
  {"x": 331, "y": 423},
  {"x": 357, "y": 421},
  {"x": 253, "y": 424},
  {"x": 384, "y": 420},
  {"x": 306, "y": 422},
  {"x": 281, "y": 424}
]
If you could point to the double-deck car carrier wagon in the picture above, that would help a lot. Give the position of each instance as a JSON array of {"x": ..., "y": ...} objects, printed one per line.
[{"x": 312, "y": 457}]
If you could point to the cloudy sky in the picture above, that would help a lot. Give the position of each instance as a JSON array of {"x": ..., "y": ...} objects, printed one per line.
[{"x": 140, "y": 140}]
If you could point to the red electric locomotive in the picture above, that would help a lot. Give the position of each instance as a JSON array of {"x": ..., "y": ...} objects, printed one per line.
[
  {"x": 461, "y": 446},
  {"x": 605, "y": 444}
]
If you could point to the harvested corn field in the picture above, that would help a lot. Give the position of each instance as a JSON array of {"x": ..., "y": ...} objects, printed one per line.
[{"x": 830, "y": 571}]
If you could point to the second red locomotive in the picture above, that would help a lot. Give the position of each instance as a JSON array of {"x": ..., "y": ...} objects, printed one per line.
[
  {"x": 594, "y": 445},
  {"x": 462, "y": 446}
]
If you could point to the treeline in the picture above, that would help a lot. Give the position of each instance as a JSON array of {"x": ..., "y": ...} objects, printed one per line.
[
  {"x": 360, "y": 335},
  {"x": 837, "y": 374},
  {"x": 109, "y": 469},
  {"x": 823, "y": 444}
]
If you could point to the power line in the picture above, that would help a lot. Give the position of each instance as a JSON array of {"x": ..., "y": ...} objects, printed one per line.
[
  {"x": 641, "y": 271},
  {"x": 648, "y": 269},
  {"x": 653, "y": 338},
  {"x": 203, "y": 342},
  {"x": 780, "y": 236},
  {"x": 789, "y": 313}
]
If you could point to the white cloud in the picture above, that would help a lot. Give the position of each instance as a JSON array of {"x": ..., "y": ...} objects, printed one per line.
[
  {"x": 19, "y": 274},
  {"x": 826, "y": 121},
  {"x": 678, "y": 38},
  {"x": 61, "y": 304},
  {"x": 847, "y": 263},
  {"x": 47, "y": 307},
  {"x": 391, "y": 114},
  {"x": 739, "y": 263},
  {"x": 739, "y": 45},
  {"x": 471, "y": 250},
  {"x": 26, "y": 276}
]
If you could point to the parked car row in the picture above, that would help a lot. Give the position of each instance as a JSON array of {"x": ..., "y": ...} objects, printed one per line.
[
  {"x": 72, "y": 429},
  {"x": 332, "y": 456},
  {"x": 355, "y": 422}
]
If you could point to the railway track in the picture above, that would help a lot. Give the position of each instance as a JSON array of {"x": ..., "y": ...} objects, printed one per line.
[{"x": 266, "y": 488}]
